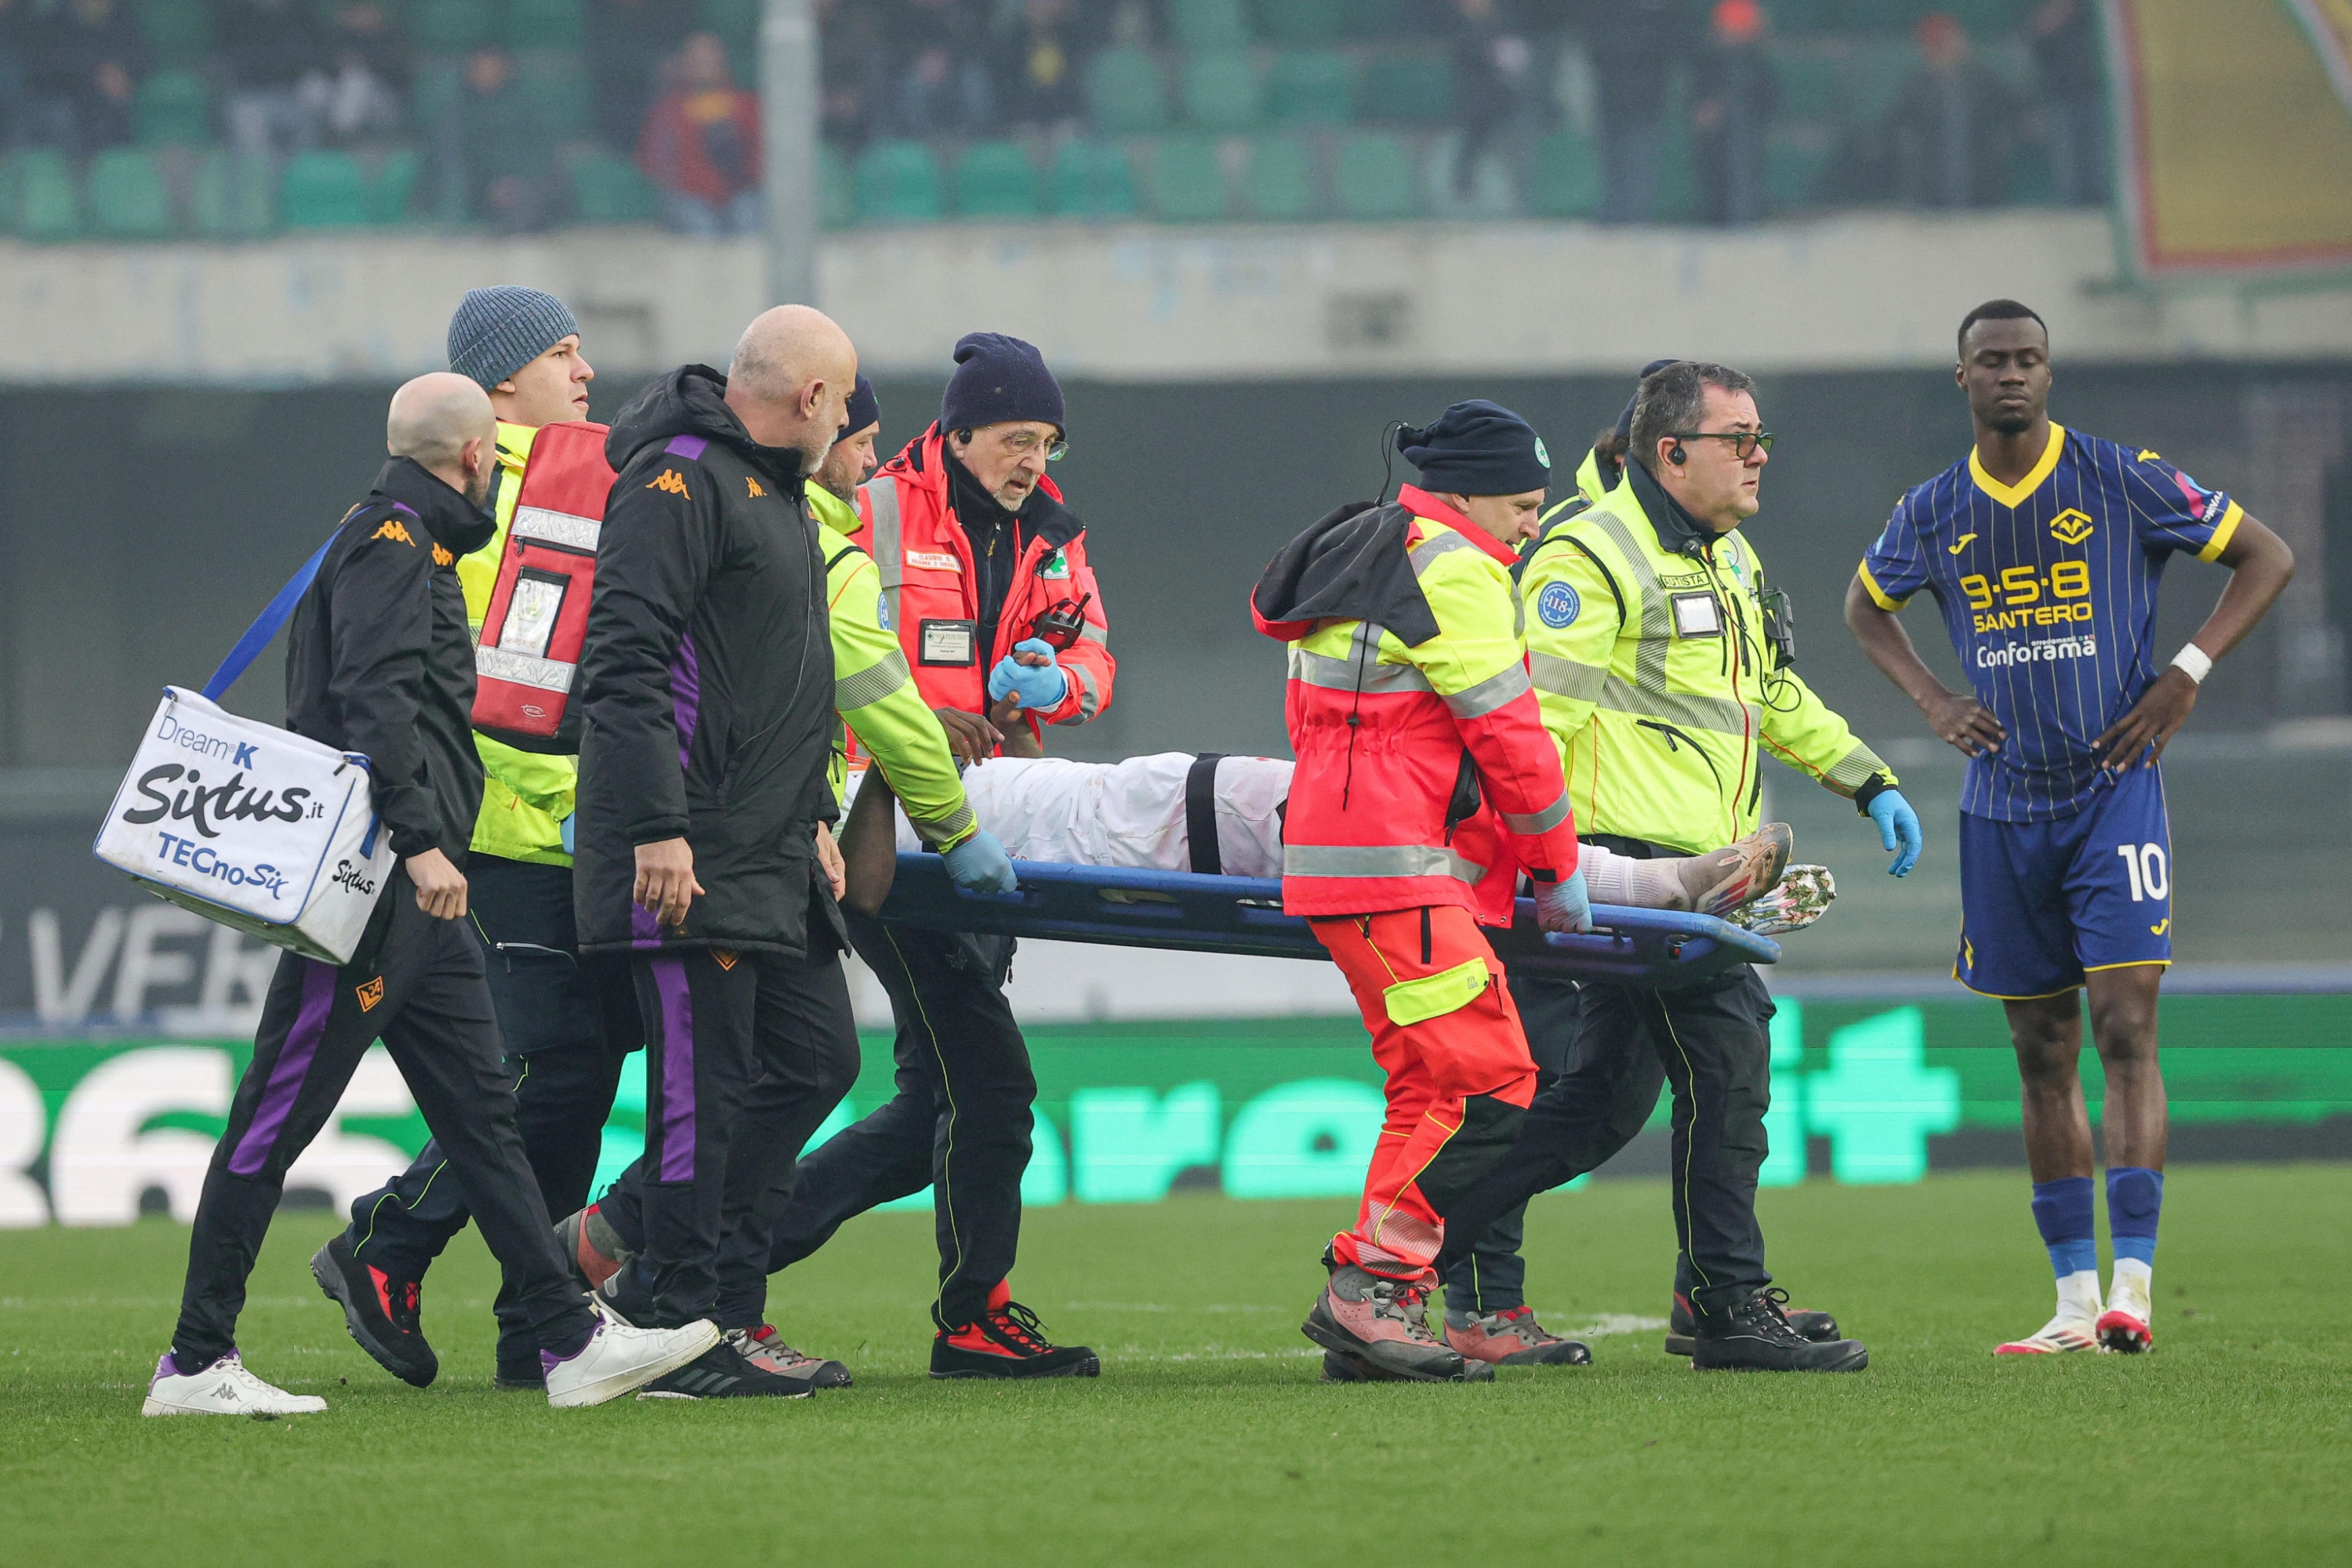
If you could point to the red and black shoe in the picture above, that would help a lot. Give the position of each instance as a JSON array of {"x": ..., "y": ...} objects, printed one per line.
[
  {"x": 381, "y": 1311},
  {"x": 1007, "y": 1341}
]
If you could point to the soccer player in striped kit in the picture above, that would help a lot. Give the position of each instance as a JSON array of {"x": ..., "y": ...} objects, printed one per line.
[{"x": 2043, "y": 550}]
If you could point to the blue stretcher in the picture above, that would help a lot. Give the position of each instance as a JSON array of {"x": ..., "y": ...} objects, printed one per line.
[{"x": 1649, "y": 948}]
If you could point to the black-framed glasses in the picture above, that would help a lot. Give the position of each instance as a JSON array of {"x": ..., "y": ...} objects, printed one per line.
[{"x": 1743, "y": 442}]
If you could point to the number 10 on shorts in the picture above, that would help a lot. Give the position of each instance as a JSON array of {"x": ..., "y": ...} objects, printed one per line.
[{"x": 2150, "y": 880}]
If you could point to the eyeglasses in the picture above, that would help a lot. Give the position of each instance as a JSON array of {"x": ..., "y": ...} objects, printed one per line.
[
  {"x": 1021, "y": 443},
  {"x": 1743, "y": 442}
]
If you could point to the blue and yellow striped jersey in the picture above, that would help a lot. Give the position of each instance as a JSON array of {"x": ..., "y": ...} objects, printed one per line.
[{"x": 2048, "y": 590}]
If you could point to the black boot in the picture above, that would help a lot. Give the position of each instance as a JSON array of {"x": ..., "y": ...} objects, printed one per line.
[
  {"x": 1756, "y": 1336},
  {"x": 380, "y": 1311},
  {"x": 1682, "y": 1330}
]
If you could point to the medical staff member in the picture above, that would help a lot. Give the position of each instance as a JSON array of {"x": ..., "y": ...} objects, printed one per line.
[{"x": 1419, "y": 741}]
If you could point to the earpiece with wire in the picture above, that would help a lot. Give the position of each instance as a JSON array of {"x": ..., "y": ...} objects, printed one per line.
[{"x": 1389, "y": 432}]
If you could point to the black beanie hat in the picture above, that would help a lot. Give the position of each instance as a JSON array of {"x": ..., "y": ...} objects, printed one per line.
[
  {"x": 1477, "y": 448},
  {"x": 865, "y": 408},
  {"x": 1625, "y": 418},
  {"x": 999, "y": 379}
]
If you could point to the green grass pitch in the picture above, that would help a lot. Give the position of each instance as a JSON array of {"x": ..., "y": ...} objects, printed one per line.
[{"x": 1208, "y": 1438}]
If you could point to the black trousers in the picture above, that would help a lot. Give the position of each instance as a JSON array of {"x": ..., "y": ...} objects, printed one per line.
[
  {"x": 960, "y": 1120},
  {"x": 795, "y": 1091},
  {"x": 416, "y": 984},
  {"x": 568, "y": 1024},
  {"x": 1711, "y": 1046}
]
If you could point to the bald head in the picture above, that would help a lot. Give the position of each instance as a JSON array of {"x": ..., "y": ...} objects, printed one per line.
[
  {"x": 791, "y": 379},
  {"x": 443, "y": 421}
]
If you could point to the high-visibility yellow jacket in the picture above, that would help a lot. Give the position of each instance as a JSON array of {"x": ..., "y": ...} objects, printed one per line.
[
  {"x": 875, "y": 692},
  {"x": 1647, "y": 645}
]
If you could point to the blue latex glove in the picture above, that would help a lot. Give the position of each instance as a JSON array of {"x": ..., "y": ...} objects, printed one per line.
[
  {"x": 980, "y": 865},
  {"x": 1898, "y": 823},
  {"x": 564, "y": 829},
  {"x": 1564, "y": 906},
  {"x": 1040, "y": 686}
]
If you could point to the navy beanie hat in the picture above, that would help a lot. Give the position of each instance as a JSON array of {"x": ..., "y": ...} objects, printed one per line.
[
  {"x": 997, "y": 380},
  {"x": 865, "y": 408},
  {"x": 1477, "y": 448},
  {"x": 1626, "y": 418},
  {"x": 498, "y": 330}
]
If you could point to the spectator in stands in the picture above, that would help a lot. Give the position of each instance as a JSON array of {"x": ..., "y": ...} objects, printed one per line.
[
  {"x": 1953, "y": 123},
  {"x": 701, "y": 145},
  {"x": 853, "y": 72},
  {"x": 358, "y": 98},
  {"x": 276, "y": 62},
  {"x": 628, "y": 41},
  {"x": 1634, "y": 45},
  {"x": 1493, "y": 67},
  {"x": 945, "y": 88},
  {"x": 84, "y": 66},
  {"x": 2064, "y": 35},
  {"x": 1737, "y": 95},
  {"x": 508, "y": 168},
  {"x": 1040, "y": 50}
]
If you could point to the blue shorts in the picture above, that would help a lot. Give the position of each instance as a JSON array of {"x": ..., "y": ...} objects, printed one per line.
[{"x": 2042, "y": 902}]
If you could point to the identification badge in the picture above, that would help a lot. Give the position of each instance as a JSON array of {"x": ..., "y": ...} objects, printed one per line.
[
  {"x": 948, "y": 642},
  {"x": 934, "y": 560},
  {"x": 1698, "y": 615}
]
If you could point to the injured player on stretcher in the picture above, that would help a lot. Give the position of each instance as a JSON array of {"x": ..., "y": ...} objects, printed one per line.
[{"x": 1141, "y": 813}]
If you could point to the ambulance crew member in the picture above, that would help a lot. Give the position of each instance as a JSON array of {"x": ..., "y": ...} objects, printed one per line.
[
  {"x": 983, "y": 568},
  {"x": 791, "y": 1098},
  {"x": 1664, "y": 668},
  {"x": 708, "y": 677},
  {"x": 379, "y": 661},
  {"x": 567, "y": 1024},
  {"x": 1409, "y": 711}
]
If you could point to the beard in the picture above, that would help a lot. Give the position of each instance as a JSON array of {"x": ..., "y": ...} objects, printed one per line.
[{"x": 813, "y": 462}]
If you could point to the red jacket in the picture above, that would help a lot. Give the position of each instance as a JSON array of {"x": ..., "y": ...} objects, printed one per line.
[
  {"x": 1425, "y": 774},
  {"x": 908, "y": 525},
  {"x": 703, "y": 145}
]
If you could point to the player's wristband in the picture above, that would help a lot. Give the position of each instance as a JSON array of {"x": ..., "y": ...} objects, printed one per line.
[{"x": 2193, "y": 662}]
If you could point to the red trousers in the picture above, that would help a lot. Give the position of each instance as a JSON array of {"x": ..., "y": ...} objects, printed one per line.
[{"x": 1444, "y": 1028}]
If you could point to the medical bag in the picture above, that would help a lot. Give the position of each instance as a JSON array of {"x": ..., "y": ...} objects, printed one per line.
[{"x": 528, "y": 654}]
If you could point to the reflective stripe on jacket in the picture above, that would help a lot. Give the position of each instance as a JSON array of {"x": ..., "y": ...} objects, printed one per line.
[
  {"x": 925, "y": 557},
  {"x": 1383, "y": 731},
  {"x": 1658, "y": 680}
]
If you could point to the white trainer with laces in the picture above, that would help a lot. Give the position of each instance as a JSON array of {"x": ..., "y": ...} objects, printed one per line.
[
  {"x": 2069, "y": 1331},
  {"x": 224, "y": 1388},
  {"x": 618, "y": 1360}
]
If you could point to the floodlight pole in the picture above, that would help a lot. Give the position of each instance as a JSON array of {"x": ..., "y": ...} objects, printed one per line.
[{"x": 788, "y": 117}]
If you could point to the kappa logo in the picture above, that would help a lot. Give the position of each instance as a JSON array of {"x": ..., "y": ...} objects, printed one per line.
[
  {"x": 757, "y": 493},
  {"x": 671, "y": 481},
  {"x": 370, "y": 994},
  {"x": 724, "y": 959},
  {"x": 394, "y": 529},
  {"x": 2071, "y": 527},
  {"x": 1960, "y": 544},
  {"x": 442, "y": 557}
]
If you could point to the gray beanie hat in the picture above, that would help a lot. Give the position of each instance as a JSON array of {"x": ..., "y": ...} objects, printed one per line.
[{"x": 498, "y": 330}]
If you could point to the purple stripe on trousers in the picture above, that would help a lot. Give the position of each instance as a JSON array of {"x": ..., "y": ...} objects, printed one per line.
[
  {"x": 286, "y": 1074},
  {"x": 677, "y": 1070},
  {"x": 686, "y": 695},
  {"x": 690, "y": 447}
]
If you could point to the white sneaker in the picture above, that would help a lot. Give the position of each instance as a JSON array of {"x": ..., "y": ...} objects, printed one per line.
[
  {"x": 2066, "y": 1332},
  {"x": 224, "y": 1388},
  {"x": 619, "y": 1359}
]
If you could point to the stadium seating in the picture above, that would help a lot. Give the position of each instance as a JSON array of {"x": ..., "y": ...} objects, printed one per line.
[
  {"x": 46, "y": 196},
  {"x": 837, "y": 188},
  {"x": 1091, "y": 179},
  {"x": 545, "y": 24},
  {"x": 1794, "y": 156},
  {"x": 173, "y": 108},
  {"x": 1221, "y": 90},
  {"x": 449, "y": 27},
  {"x": 1187, "y": 181},
  {"x": 899, "y": 182},
  {"x": 1311, "y": 87},
  {"x": 1126, "y": 92},
  {"x": 555, "y": 85},
  {"x": 234, "y": 197},
  {"x": 1374, "y": 177},
  {"x": 1414, "y": 88},
  {"x": 995, "y": 180},
  {"x": 177, "y": 29},
  {"x": 1278, "y": 184},
  {"x": 1564, "y": 175},
  {"x": 1207, "y": 24},
  {"x": 392, "y": 186},
  {"x": 610, "y": 189},
  {"x": 323, "y": 190},
  {"x": 1303, "y": 21},
  {"x": 129, "y": 197}
]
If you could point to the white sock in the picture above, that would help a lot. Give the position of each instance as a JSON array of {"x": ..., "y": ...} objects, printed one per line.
[
  {"x": 1605, "y": 881},
  {"x": 2132, "y": 1278},
  {"x": 2078, "y": 1295}
]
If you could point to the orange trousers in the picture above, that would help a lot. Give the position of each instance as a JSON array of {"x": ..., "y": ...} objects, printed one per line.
[{"x": 1444, "y": 1029}]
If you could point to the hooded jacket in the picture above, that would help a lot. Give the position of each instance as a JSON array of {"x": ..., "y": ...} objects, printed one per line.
[
  {"x": 707, "y": 684},
  {"x": 379, "y": 660}
]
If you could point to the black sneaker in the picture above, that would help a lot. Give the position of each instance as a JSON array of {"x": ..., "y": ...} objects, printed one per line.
[
  {"x": 1756, "y": 1336},
  {"x": 1681, "y": 1332},
  {"x": 1007, "y": 1341},
  {"x": 380, "y": 1311},
  {"x": 722, "y": 1372}
]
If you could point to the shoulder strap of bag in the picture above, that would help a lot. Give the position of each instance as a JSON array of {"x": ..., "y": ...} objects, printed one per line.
[{"x": 265, "y": 625}]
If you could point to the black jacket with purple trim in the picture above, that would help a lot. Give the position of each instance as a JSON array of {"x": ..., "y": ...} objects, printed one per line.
[{"x": 707, "y": 685}]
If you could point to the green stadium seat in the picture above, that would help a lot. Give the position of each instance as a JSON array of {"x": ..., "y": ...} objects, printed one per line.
[
  {"x": 1278, "y": 184},
  {"x": 234, "y": 197},
  {"x": 1795, "y": 153},
  {"x": 1376, "y": 18},
  {"x": 545, "y": 24},
  {"x": 129, "y": 197},
  {"x": 1221, "y": 90},
  {"x": 1807, "y": 76},
  {"x": 837, "y": 189},
  {"x": 1413, "y": 88},
  {"x": 737, "y": 22},
  {"x": 1678, "y": 192},
  {"x": 1127, "y": 93},
  {"x": 1303, "y": 21},
  {"x": 48, "y": 197},
  {"x": 1802, "y": 17},
  {"x": 7, "y": 195},
  {"x": 1564, "y": 175},
  {"x": 1375, "y": 178},
  {"x": 607, "y": 188},
  {"x": 1188, "y": 180},
  {"x": 1309, "y": 86},
  {"x": 391, "y": 188},
  {"x": 899, "y": 182},
  {"x": 1091, "y": 179},
  {"x": 1207, "y": 24},
  {"x": 448, "y": 27},
  {"x": 173, "y": 108},
  {"x": 323, "y": 190},
  {"x": 995, "y": 179},
  {"x": 177, "y": 29},
  {"x": 555, "y": 83},
  {"x": 1872, "y": 74}
]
